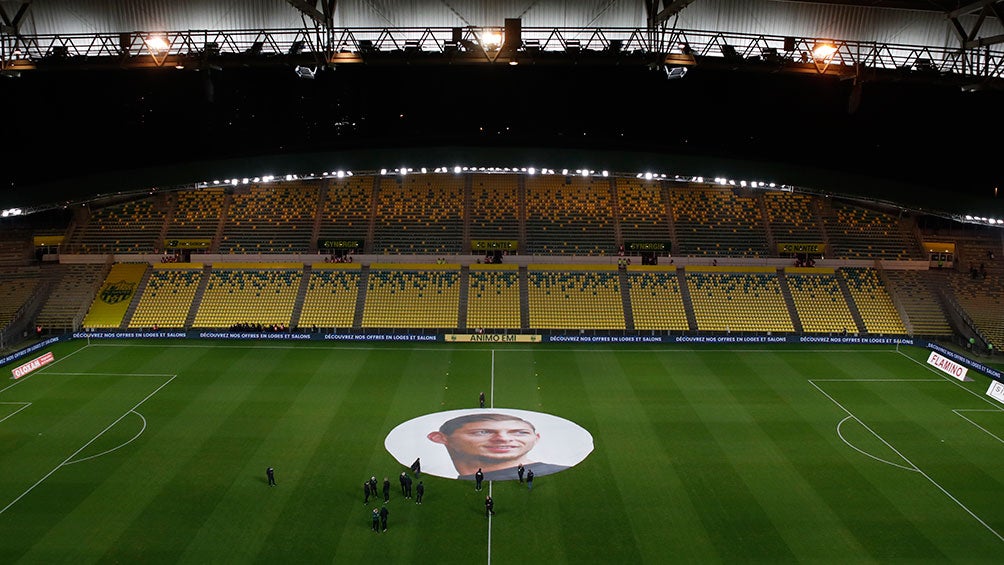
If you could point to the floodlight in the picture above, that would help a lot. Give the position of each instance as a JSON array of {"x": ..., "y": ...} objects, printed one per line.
[
  {"x": 823, "y": 50},
  {"x": 456, "y": 169},
  {"x": 305, "y": 72},
  {"x": 156, "y": 43},
  {"x": 340, "y": 174},
  {"x": 531, "y": 171},
  {"x": 674, "y": 73}
]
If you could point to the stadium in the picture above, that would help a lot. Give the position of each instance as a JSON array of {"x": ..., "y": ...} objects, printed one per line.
[{"x": 728, "y": 270}]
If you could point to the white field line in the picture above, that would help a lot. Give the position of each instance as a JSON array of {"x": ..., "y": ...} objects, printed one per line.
[
  {"x": 92, "y": 440},
  {"x": 911, "y": 464},
  {"x": 945, "y": 377},
  {"x": 491, "y": 405},
  {"x": 865, "y": 453},
  {"x": 959, "y": 412},
  {"x": 139, "y": 433},
  {"x": 44, "y": 369},
  {"x": 26, "y": 404}
]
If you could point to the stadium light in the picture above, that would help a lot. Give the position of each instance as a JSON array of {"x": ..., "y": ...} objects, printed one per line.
[
  {"x": 156, "y": 43},
  {"x": 456, "y": 169},
  {"x": 823, "y": 50}
]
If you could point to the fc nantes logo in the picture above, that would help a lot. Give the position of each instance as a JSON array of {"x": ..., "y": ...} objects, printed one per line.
[{"x": 116, "y": 292}]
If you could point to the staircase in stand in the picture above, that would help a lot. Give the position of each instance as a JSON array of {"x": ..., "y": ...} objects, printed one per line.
[
  {"x": 197, "y": 299},
  {"x": 301, "y": 294},
  {"x": 626, "y": 300}
]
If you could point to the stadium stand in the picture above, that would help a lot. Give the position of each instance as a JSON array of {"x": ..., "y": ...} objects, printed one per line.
[
  {"x": 113, "y": 298},
  {"x": 656, "y": 300},
  {"x": 271, "y": 218},
  {"x": 130, "y": 227},
  {"x": 738, "y": 299},
  {"x": 583, "y": 298},
  {"x": 494, "y": 207},
  {"x": 792, "y": 218},
  {"x": 331, "y": 297},
  {"x": 917, "y": 295},
  {"x": 412, "y": 296},
  {"x": 819, "y": 300},
  {"x": 196, "y": 214},
  {"x": 73, "y": 291},
  {"x": 983, "y": 301},
  {"x": 876, "y": 307},
  {"x": 569, "y": 215},
  {"x": 347, "y": 209},
  {"x": 419, "y": 214},
  {"x": 493, "y": 299},
  {"x": 168, "y": 295},
  {"x": 249, "y": 293},
  {"x": 717, "y": 222},
  {"x": 19, "y": 285},
  {"x": 859, "y": 233},
  {"x": 642, "y": 211}
]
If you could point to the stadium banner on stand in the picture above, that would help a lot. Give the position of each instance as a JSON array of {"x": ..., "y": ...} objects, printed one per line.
[
  {"x": 323, "y": 244},
  {"x": 131, "y": 335},
  {"x": 36, "y": 363},
  {"x": 789, "y": 248},
  {"x": 996, "y": 391},
  {"x": 948, "y": 366},
  {"x": 648, "y": 246},
  {"x": 493, "y": 338},
  {"x": 187, "y": 243},
  {"x": 963, "y": 360},
  {"x": 494, "y": 245},
  {"x": 30, "y": 349},
  {"x": 379, "y": 337}
]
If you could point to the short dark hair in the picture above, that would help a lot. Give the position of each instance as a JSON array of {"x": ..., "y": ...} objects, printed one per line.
[{"x": 454, "y": 424}]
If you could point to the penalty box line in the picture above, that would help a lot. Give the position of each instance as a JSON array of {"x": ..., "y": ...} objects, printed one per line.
[
  {"x": 83, "y": 447},
  {"x": 913, "y": 466}
]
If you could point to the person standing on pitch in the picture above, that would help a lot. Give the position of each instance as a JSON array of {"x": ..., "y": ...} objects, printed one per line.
[
  {"x": 402, "y": 481},
  {"x": 383, "y": 517},
  {"x": 479, "y": 477},
  {"x": 407, "y": 486},
  {"x": 419, "y": 492},
  {"x": 489, "y": 506},
  {"x": 366, "y": 492},
  {"x": 376, "y": 520},
  {"x": 529, "y": 479},
  {"x": 519, "y": 472},
  {"x": 386, "y": 490},
  {"x": 373, "y": 486},
  {"x": 481, "y": 399},
  {"x": 270, "y": 473}
]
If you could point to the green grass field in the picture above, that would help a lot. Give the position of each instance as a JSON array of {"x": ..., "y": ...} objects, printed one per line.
[{"x": 131, "y": 452}]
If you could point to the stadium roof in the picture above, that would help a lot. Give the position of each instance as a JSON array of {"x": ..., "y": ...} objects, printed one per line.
[{"x": 925, "y": 137}]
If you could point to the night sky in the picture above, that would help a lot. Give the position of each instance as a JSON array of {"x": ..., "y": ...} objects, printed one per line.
[{"x": 63, "y": 125}]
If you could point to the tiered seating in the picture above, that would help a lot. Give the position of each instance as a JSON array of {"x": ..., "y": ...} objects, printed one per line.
[
  {"x": 873, "y": 301},
  {"x": 251, "y": 293},
  {"x": 132, "y": 227},
  {"x": 68, "y": 301},
  {"x": 332, "y": 291},
  {"x": 714, "y": 221},
  {"x": 271, "y": 218},
  {"x": 738, "y": 299},
  {"x": 656, "y": 302},
  {"x": 15, "y": 251},
  {"x": 493, "y": 297},
  {"x": 919, "y": 299},
  {"x": 18, "y": 287},
  {"x": 420, "y": 214},
  {"x": 347, "y": 208},
  {"x": 642, "y": 211},
  {"x": 412, "y": 296},
  {"x": 110, "y": 305},
  {"x": 791, "y": 218},
  {"x": 564, "y": 299},
  {"x": 196, "y": 214},
  {"x": 569, "y": 215},
  {"x": 494, "y": 207},
  {"x": 983, "y": 301},
  {"x": 167, "y": 297},
  {"x": 983, "y": 253},
  {"x": 858, "y": 233},
  {"x": 819, "y": 300}
]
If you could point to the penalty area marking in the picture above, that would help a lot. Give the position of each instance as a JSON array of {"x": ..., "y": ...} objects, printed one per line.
[
  {"x": 70, "y": 459},
  {"x": 24, "y": 405},
  {"x": 912, "y": 466},
  {"x": 132, "y": 439},
  {"x": 958, "y": 412}
]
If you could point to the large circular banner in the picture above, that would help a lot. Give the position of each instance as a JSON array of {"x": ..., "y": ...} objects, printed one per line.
[{"x": 456, "y": 443}]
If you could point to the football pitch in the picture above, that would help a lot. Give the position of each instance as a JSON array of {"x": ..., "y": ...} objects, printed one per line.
[{"x": 155, "y": 452}]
